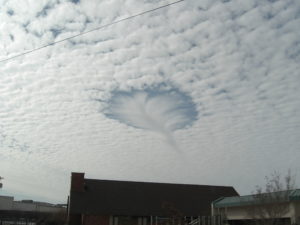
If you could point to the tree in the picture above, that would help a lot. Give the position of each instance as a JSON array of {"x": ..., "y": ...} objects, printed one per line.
[{"x": 271, "y": 201}]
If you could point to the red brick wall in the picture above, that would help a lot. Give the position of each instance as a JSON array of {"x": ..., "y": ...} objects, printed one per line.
[
  {"x": 74, "y": 219},
  {"x": 95, "y": 220},
  {"x": 77, "y": 182},
  {"x": 127, "y": 220}
]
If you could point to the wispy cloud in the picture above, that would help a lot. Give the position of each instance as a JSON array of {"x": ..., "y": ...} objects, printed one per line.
[{"x": 158, "y": 111}]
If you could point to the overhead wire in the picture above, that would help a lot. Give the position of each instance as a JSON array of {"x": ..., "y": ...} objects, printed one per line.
[{"x": 89, "y": 31}]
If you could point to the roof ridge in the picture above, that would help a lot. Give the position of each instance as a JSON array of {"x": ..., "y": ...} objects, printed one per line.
[{"x": 154, "y": 182}]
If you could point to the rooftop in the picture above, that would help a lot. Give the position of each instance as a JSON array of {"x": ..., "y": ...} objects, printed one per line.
[
  {"x": 282, "y": 196},
  {"x": 145, "y": 198}
]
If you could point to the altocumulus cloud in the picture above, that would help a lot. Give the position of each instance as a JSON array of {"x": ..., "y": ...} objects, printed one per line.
[{"x": 232, "y": 104}]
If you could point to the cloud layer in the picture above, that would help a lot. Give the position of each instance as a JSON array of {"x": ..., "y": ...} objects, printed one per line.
[{"x": 235, "y": 63}]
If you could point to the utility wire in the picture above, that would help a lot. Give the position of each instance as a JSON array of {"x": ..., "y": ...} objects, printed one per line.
[{"x": 89, "y": 31}]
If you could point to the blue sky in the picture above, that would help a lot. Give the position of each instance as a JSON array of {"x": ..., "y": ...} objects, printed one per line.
[{"x": 202, "y": 92}]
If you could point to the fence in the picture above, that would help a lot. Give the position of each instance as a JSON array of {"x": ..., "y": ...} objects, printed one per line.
[{"x": 199, "y": 220}]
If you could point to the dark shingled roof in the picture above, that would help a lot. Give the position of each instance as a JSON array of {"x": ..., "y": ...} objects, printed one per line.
[{"x": 107, "y": 197}]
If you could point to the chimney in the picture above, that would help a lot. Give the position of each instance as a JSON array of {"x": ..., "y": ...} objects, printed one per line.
[{"x": 77, "y": 182}]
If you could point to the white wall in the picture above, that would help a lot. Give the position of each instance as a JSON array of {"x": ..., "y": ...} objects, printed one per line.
[
  {"x": 241, "y": 213},
  {"x": 296, "y": 218},
  {"x": 8, "y": 203},
  {"x": 49, "y": 209},
  {"x": 21, "y": 206},
  {"x": 297, "y": 208}
]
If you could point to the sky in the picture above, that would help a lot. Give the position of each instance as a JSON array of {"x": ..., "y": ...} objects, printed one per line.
[{"x": 200, "y": 92}]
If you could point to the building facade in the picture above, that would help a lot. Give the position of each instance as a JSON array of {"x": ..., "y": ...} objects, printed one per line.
[
  {"x": 7, "y": 203},
  {"x": 268, "y": 208},
  {"x": 28, "y": 212},
  {"x": 107, "y": 202}
]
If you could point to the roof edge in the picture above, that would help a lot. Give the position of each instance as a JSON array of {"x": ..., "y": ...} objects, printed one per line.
[{"x": 153, "y": 182}]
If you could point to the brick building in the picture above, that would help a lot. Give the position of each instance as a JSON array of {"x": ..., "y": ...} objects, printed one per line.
[{"x": 108, "y": 202}]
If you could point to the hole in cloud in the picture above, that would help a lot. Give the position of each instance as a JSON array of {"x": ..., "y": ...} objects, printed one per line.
[
  {"x": 152, "y": 109},
  {"x": 160, "y": 111},
  {"x": 75, "y": 1}
]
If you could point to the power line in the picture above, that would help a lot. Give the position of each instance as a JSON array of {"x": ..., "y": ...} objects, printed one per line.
[{"x": 89, "y": 31}]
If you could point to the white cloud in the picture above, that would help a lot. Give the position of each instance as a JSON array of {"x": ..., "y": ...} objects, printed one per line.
[{"x": 237, "y": 61}]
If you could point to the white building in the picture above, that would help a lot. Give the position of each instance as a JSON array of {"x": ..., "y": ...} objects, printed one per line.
[
  {"x": 7, "y": 203},
  {"x": 283, "y": 206},
  {"x": 28, "y": 212}
]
